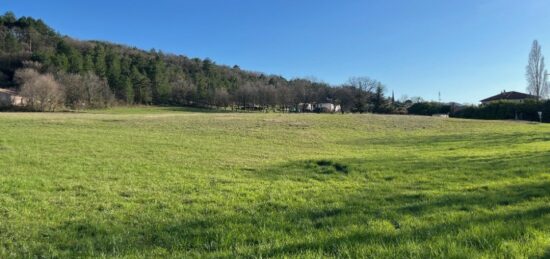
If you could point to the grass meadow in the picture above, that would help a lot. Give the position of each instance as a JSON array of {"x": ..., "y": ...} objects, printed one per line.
[{"x": 171, "y": 182}]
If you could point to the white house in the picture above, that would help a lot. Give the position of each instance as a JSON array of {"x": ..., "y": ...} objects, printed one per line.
[
  {"x": 305, "y": 107},
  {"x": 441, "y": 115},
  {"x": 10, "y": 98},
  {"x": 327, "y": 107}
]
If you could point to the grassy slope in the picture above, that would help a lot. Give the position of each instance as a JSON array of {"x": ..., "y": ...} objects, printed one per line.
[{"x": 157, "y": 182}]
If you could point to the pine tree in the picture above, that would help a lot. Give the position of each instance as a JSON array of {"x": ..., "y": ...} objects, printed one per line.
[
  {"x": 61, "y": 62},
  {"x": 75, "y": 62},
  {"x": 114, "y": 73},
  {"x": 11, "y": 45},
  {"x": 128, "y": 91},
  {"x": 88, "y": 63},
  {"x": 158, "y": 77},
  {"x": 141, "y": 86},
  {"x": 99, "y": 61}
]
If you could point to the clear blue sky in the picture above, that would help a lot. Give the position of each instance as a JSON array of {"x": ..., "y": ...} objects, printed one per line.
[{"x": 467, "y": 49}]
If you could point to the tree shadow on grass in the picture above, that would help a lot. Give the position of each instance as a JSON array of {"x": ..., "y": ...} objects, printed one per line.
[
  {"x": 493, "y": 184},
  {"x": 497, "y": 218},
  {"x": 459, "y": 168},
  {"x": 479, "y": 197},
  {"x": 260, "y": 229},
  {"x": 452, "y": 141},
  {"x": 274, "y": 228},
  {"x": 475, "y": 243}
]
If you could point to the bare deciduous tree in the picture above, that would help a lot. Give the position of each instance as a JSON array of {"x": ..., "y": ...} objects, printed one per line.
[
  {"x": 246, "y": 95},
  {"x": 363, "y": 83},
  {"x": 345, "y": 97},
  {"x": 41, "y": 91},
  {"x": 32, "y": 64},
  {"x": 98, "y": 93},
  {"x": 221, "y": 98},
  {"x": 74, "y": 90},
  {"x": 183, "y": 91},
  {"x": 536, "y": 74},
  {"x": 85, "y": 91}
]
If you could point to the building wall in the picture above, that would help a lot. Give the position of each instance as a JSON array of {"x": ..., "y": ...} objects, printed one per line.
[
  {"x": 325, "y": 107},
  {"x": 17, "y": 100}
]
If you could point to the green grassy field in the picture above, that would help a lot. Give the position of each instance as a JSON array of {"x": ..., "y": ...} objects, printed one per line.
[{"x": 169, "y": 182}]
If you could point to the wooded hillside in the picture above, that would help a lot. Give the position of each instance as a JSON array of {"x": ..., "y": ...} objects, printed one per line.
[{"x": 135, "y": 76}]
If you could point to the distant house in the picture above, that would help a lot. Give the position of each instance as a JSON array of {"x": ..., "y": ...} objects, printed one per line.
[
  {"x": 327, "y": 107},
  {"x": 10, "y": 98},
  {"x": 509, "y": 97},
  {"x": 441, "y": 115},
  {"x": 305, "y": 107}
]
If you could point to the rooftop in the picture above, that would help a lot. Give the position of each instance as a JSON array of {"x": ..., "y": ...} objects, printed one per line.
[
  {"x": 512, "y": 95},
  {"x": 7, "y": 91}
]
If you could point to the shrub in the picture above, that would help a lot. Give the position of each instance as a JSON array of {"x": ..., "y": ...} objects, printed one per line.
[
  {"x": 507, "y": 111},
  {"x": 429, "y": 108}
]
